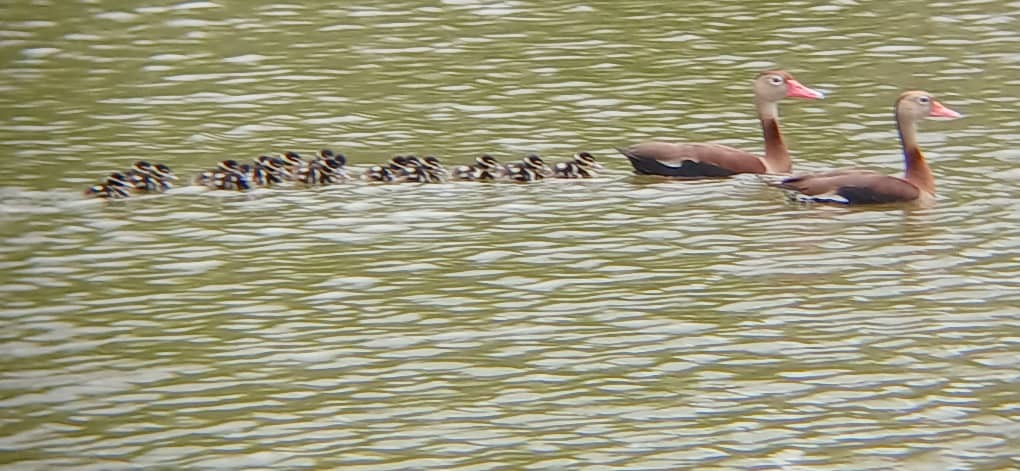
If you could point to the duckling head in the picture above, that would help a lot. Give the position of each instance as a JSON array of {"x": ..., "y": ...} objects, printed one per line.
[
  {"x": 162, "y": 171},
  {"x": 535, "y": 162},
  {"x": 432, "y": 162},
  {"x": 291, "y": 158},
  {"x": 487, "y": 161},
  {"x": 229, "y": 165},
  {"x": 117, "y": 179},
  {"x": 585, "y": 159}
]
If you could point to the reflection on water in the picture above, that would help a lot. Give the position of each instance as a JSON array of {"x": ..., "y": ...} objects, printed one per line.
[{"x": 618, "y": 322}]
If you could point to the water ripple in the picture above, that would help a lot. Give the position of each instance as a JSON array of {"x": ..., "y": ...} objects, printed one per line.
[{"x": 618, "y": 322}]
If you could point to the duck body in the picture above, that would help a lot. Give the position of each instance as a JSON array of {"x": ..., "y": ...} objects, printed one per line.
[
  {"x": 861, "y": 186},
  {"x": 708, "y": 160}
]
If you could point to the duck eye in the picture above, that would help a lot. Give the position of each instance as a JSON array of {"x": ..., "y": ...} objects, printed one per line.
[
  {"x": 924, "y": 100},
  {"x": 776, "y": 80}
]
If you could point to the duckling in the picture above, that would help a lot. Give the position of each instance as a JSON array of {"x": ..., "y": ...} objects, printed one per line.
[
  {"x": 228, "y": 175},
  {"x": 116, "y": 186},
  {"x": 141, "y": 177},
  {"x": 163, "y": 176},
  {"x": 486, "y": 167},
  {"x": 427, "y": 170},
  {"x": 267, "y": 171},
  {"x": 398, "y": 165},
  {"x": 339, "y": 165},
  {"x": 292, "y": 162},
  {"x": 379, "y": 173},
  {"x": 584, "y": 165},
  {"x": 326, "y": 170},
  {"x": 529, "y": 169}
]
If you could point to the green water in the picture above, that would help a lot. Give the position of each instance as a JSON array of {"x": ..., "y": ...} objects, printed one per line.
[{"x": 621, "y": 322}]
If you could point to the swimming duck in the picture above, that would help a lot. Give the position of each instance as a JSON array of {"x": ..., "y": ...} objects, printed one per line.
[
  {"x": 704, "y": 160},
  {"x": 163, "y": 176},
  {"x": 140, "y": 176},
  {"x": 267, "y": 171},
  {"x": 292, "y": 162},
  {"x": 228, "y": 175},
  {"x": 146, "y": 177},
  {"x": 378, "y": 173},
  {"x": 486, "y": 167},
  {"x": 529, "y": 169},
  {"x": 427, "y": 170},
  {"x": 584, "y": 165},
  {"x": 116, "y": 186},
  {"x": 862, "y": 186},
  {"x": 327, "y": 169}
]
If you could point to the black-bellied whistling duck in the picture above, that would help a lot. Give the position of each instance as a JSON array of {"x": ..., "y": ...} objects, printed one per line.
[
  {"x": 857, "y": 186},
  {"x": 699, "y": 160}
]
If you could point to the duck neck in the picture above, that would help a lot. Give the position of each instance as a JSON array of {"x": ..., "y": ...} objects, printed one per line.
[
  {"x": 917, "y": 171},
  {"x": 777, "y": 158}
]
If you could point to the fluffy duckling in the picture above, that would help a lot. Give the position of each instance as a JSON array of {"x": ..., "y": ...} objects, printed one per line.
[
  {"x": 140, "y": 176},
  {"x": 427, "y": 170},
  {"x": 163, "y": 176},
  {"x": 379, "y": 173},
  {"x": 530, "y": 168},
  {"x": 116, "y": 186},
  {"x": 327, "y": 169},
  {"x": 584, "y": 165},
  {"x": 228, "y": 175},
  {"x": 146, "y": 177},
  {"x": 486, "y": 167},
  {"x": 292, "y": 162},
  {"x": 268, "y": 171}
]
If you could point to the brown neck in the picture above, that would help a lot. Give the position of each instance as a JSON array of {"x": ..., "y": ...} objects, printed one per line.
[
  {"x": 777, "y": 158},
  {"x": 917, "y": 171}
]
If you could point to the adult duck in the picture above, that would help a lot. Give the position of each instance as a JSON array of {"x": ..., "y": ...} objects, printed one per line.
[
  {"x": 858, "y": 186},
  {"x": 700, "y": 160}
]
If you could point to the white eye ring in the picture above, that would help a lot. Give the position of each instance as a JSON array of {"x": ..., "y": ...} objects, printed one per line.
[
  {"x": 776, "y": 80},
  {"x": 924, "y": 100}
]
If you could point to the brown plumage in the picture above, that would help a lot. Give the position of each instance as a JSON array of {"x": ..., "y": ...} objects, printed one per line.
[
  {"x": 701, "y": 160},
  {"x": 858, "y": 186}
]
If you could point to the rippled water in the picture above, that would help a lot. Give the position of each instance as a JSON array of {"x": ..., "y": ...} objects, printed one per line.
[{"x": 616, "y": 323}]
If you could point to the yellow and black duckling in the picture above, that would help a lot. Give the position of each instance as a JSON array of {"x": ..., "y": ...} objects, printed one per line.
[
  {"x": 116, "y": 186},
  {"x": 584, "y": 165},
  {"x": 267, "y": 171},
  {"x": 327, "y": 169},
  {"x": 530, "y": 168},
  {"x": 228, "y": 175},
  {"x": 486, "y": 167}
]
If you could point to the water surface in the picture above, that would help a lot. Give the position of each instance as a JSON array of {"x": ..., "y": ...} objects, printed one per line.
[{"x": 616, "y": 323}]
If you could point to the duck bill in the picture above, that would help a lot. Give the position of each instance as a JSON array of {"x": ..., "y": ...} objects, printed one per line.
[
  {"x": 795, "y": 89},
  {"x": 938, "y": 110}
]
